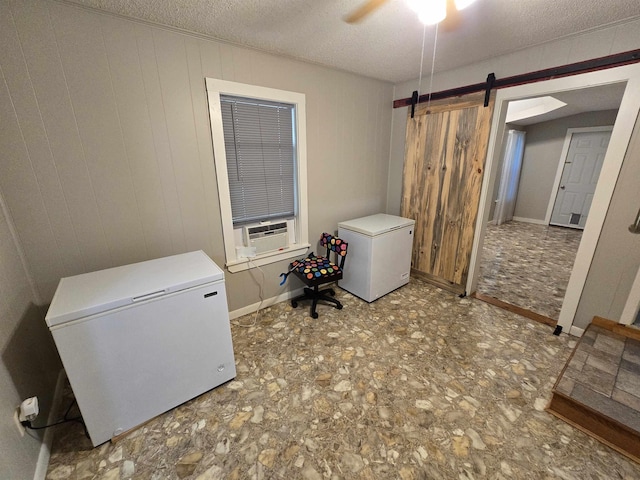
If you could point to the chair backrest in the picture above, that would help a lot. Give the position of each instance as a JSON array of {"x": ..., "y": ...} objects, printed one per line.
[{"x": 336, "y": 245}]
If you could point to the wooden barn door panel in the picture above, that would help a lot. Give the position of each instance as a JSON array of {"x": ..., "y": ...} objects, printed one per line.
[{"x": 446, "y": 148}]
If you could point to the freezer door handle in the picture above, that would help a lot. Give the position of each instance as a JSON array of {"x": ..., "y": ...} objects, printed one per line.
[{"x": 148, "y": 296}]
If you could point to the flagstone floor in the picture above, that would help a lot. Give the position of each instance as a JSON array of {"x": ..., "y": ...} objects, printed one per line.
[
  {"x": 528, "y": 265},
  {"x": 420, "y": 384}
]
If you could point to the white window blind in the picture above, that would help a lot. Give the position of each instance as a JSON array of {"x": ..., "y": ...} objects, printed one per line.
[{"x": 259, "y": 140}]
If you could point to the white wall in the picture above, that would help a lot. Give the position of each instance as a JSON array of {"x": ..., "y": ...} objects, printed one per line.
[
  {"x": 542, "y": 151},
  {"x": 106, "y": 159},
  {"x": 617, "y": 256},
  {"x": 112, "y": 160},
  {"x": 28, "y": 363},
  {"x": 599, "y": 43}
]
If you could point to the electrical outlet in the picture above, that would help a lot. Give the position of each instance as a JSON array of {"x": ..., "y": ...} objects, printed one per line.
[
  {"x": 29, "y": 409},
  {"x": 16, "y": 420}
]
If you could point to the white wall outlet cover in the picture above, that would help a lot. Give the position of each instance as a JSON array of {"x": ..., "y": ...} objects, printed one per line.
[{"x": 29, "y": 409}]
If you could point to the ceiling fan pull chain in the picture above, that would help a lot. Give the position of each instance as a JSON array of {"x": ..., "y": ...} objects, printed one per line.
[
  {"x": 424, "y": 34},
  {"x": 415, "y": 96},
  {"x": 433, "y": 64}
]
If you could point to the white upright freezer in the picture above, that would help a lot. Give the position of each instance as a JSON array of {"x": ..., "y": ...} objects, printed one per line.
[
  {"x": 379, "y": 254},
  {"x": 141, "y": 339}
]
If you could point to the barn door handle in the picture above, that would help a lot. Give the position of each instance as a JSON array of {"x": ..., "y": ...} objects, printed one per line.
[{"x": 635, "y": 227}]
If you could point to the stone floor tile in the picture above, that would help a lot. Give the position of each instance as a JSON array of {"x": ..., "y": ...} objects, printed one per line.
[
  {"x": 628, "y": 381},
  {"x": 419, "y": 384},
  {"x": 565, "y": 385},
  {"x": 607, "y": 367},
  {"x": 631, "y": 356},
  {"x": 626, "y": 399},
  {"x": 633, "y": 346},
  {"x": 609, "y": 344},
  {"x": 597, "y": 380},
  {"x": 630, "y": 366},
  {"x": 528, "y": 265},
  {"x": 601, "y": 354}
]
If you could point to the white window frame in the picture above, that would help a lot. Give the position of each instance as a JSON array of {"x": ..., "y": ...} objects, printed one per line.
[{"x": 299, "y": 241}]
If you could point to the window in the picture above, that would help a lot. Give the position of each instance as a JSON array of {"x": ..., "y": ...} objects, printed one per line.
[
  {"x": 260, "y": 154},
  {"x": 259, "y": 144}
]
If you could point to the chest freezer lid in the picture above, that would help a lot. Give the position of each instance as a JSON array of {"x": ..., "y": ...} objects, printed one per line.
[
  {"x": 376, "y": 224},
  {"x": 97, "y": 292}
]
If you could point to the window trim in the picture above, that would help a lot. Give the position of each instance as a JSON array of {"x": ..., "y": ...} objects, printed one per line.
[{"x": 215, "y": 87}]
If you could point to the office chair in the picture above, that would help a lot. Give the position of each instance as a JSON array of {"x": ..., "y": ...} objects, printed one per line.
[{"x": 316, "y": 271}]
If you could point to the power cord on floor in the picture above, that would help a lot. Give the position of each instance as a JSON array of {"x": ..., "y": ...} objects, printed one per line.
[
  {"x": 261, "y": 295},
  {"x": 65, "y": 419}
]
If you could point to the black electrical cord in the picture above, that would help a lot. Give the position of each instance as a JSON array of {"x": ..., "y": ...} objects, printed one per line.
[{"x": 65, "y": 419}]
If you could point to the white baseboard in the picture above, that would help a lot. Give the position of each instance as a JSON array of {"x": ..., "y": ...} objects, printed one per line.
[
  {"x": 266, "y": 303},
  {"x": 576, "y": 331},
  {"x": 530, "y": 220},
  {"x": 45, "y": 449}
]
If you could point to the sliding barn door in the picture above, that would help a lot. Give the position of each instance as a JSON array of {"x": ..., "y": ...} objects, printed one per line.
[{"x": 446, "y": 147}]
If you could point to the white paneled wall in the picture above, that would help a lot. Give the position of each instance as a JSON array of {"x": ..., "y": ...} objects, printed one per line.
[
  {"x": 27, "y": 366},
  {"x": 106, "y": 147}
]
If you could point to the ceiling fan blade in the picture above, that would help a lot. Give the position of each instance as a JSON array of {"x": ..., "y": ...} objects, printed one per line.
[
  {"x": 453, "y": 19},
  {"x": 364, "y": 10}
]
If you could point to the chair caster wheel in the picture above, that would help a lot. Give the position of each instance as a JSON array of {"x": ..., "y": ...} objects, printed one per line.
[
  {"x": 314, "y": 315},
  {"x": 294, "y": 304},
  {"x": 339, "y": 307},
  {"x": 332, "y": 292}
]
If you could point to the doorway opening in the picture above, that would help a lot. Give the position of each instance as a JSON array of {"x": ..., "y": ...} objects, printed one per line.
[
  {"x": 549, "y": 168},
  {"x": 586, "y": 107}
]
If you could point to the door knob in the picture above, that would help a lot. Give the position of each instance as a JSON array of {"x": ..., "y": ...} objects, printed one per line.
[{"x": 562, "y": 187}]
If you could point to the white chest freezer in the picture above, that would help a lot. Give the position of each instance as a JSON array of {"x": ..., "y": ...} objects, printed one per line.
[
  {"x": 141, "y": 339},
  {"x": 379, "y": 255}
]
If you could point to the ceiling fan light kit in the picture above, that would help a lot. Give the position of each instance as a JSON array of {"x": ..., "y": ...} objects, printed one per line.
[{"x": 431, "y": 12}]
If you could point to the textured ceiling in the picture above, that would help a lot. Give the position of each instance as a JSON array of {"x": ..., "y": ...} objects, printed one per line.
[
  {"x": 387, "y": 44},
  {"x": 604, "y": 97}
]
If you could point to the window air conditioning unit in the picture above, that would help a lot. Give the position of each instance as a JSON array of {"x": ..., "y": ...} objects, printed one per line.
[{"x": 266, "y": 237}]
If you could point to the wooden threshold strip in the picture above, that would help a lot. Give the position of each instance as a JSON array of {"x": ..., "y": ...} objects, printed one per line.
[
  {"x": 601, "y": 63},
  {"x": 523, "y": 312},
  {"x": 615, "y": 327}
]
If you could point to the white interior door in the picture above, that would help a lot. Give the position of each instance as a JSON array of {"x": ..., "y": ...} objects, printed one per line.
[{"x": 579, "y": 178}]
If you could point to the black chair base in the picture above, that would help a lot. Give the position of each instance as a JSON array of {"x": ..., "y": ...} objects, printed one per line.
[{"x": 315, "y": 296}]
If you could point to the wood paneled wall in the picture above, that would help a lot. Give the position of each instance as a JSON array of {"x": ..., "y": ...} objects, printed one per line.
[{"x": 106, "y": 148}]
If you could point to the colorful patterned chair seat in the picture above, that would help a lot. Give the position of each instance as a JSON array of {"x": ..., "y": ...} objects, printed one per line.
[{"x": 315, "y": 271}]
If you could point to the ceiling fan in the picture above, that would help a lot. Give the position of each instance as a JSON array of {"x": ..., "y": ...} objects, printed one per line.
[{"x": 429, "y": 12}]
